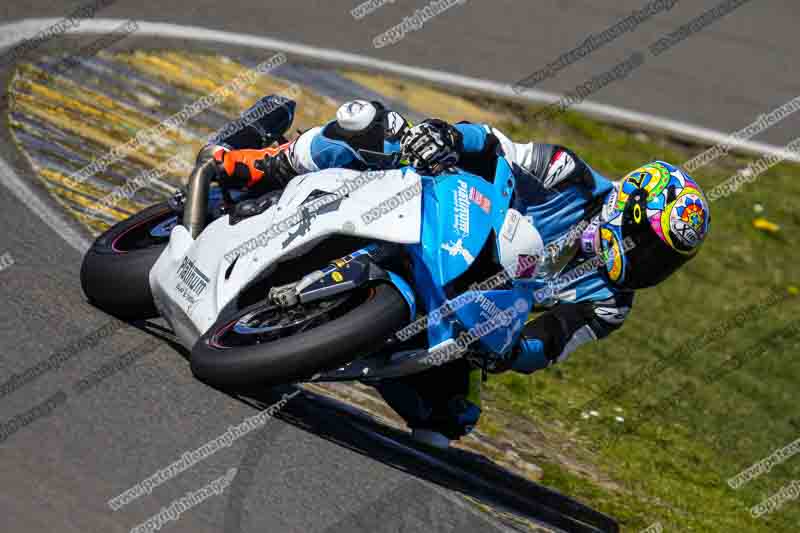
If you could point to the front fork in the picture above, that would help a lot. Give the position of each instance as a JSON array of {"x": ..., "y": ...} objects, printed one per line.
[
  {"x": 361, "y": 268},
  {"x": 358, "y": 269}
]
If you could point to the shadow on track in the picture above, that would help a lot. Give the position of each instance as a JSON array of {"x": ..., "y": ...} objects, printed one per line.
[{"x": 458, "y": 470}]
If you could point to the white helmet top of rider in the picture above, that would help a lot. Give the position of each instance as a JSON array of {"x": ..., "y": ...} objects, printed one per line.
[{"x": 357, "y": 115}]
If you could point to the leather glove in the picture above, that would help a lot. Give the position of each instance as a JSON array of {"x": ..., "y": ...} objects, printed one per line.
[
  {"x": 432, "y": 146},
  {"x": 278, "y": 169},
  {"x": 246, "y": 167}
]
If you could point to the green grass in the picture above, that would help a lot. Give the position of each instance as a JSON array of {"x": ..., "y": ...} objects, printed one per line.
[{"x": 687, "y": 435}]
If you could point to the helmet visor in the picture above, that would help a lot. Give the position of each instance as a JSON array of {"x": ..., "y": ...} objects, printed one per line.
[
  {"x": 644, "y": 258},
  {"x": 649, "y": 261}
]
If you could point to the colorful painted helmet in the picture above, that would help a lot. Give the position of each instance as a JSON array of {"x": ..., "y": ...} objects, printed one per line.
[{"x": 653, "y": 222}]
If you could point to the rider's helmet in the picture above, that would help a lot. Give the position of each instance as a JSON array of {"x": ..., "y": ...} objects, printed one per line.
[
  {"x": 365, "y": 125},
  {"x": 653, "y": 222}
]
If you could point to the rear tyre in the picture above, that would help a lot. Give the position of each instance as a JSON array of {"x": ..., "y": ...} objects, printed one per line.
[
  {"x": 235, "y": 353},
  {"x": 115, "y": 274}
]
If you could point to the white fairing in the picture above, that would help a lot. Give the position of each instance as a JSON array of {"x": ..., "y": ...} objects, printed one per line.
[{"x": 189, "y": 281}]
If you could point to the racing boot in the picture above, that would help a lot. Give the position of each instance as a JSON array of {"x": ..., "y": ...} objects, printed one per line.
[{"x": 440, "y": 404}]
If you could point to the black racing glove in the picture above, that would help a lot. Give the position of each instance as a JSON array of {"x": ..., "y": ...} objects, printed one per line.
[
  {"x": 432, "y": 146},
  {"x": 278, "y": 169}
]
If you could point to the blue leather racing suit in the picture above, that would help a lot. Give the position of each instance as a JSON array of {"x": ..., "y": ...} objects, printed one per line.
[{"x": 576, "y": 302}]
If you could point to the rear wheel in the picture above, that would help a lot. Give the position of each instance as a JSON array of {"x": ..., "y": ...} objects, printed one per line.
[
  {"x": 115, "y": 274},
  {"x": 268, "y": 345}
]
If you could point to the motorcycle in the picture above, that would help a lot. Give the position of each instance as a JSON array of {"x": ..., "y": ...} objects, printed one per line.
[{"x": 327, "y": 279}]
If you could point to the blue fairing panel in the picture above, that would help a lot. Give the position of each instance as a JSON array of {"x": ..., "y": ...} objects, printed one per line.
[
  {"x": 455, "y": 223},
  {"x": 459, "y": 213},
  {"x": 406, "y": 291}
]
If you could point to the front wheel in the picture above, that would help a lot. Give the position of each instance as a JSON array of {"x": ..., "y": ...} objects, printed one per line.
[
  {"x": 115, "y": 274},
  {"x": 267, "y": 345}
]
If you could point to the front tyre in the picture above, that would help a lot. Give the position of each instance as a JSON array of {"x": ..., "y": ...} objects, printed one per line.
[
  {"x": 115, "y": 274},
  {"x": 264, "y": 345}
]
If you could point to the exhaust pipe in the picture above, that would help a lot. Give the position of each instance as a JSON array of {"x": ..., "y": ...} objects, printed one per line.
[{"x": 195, "y": 209}]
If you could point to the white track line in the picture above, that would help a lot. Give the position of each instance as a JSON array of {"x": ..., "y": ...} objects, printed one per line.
[
  {"x": 57, "y": 220},
  {"x": 608, "y": 112},
  {"x": 13, "y": 33}
]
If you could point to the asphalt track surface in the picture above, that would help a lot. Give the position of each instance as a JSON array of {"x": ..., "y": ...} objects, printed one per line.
[
  {"x": 60, "y": 470},
  {"x": 721, "y": 78}
]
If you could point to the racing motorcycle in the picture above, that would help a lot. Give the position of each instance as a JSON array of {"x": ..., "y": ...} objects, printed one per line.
[{"x": 323, "y": 280}]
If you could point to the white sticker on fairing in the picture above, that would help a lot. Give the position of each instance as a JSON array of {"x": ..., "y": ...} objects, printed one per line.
[
  {"x": 562, "y": 165},
  {"x": 461, "y": 209},
  {"x": 192, "y": 281},
  {"x": 457, "y": 248}
]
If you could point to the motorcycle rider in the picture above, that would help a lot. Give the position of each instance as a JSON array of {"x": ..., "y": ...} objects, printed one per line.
[{"x": 639, "y": 230}]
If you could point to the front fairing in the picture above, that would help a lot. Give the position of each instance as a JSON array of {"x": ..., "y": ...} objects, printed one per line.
[
  {"x": 461, "y": 212},
  {"x": 195, "y": 279}
]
